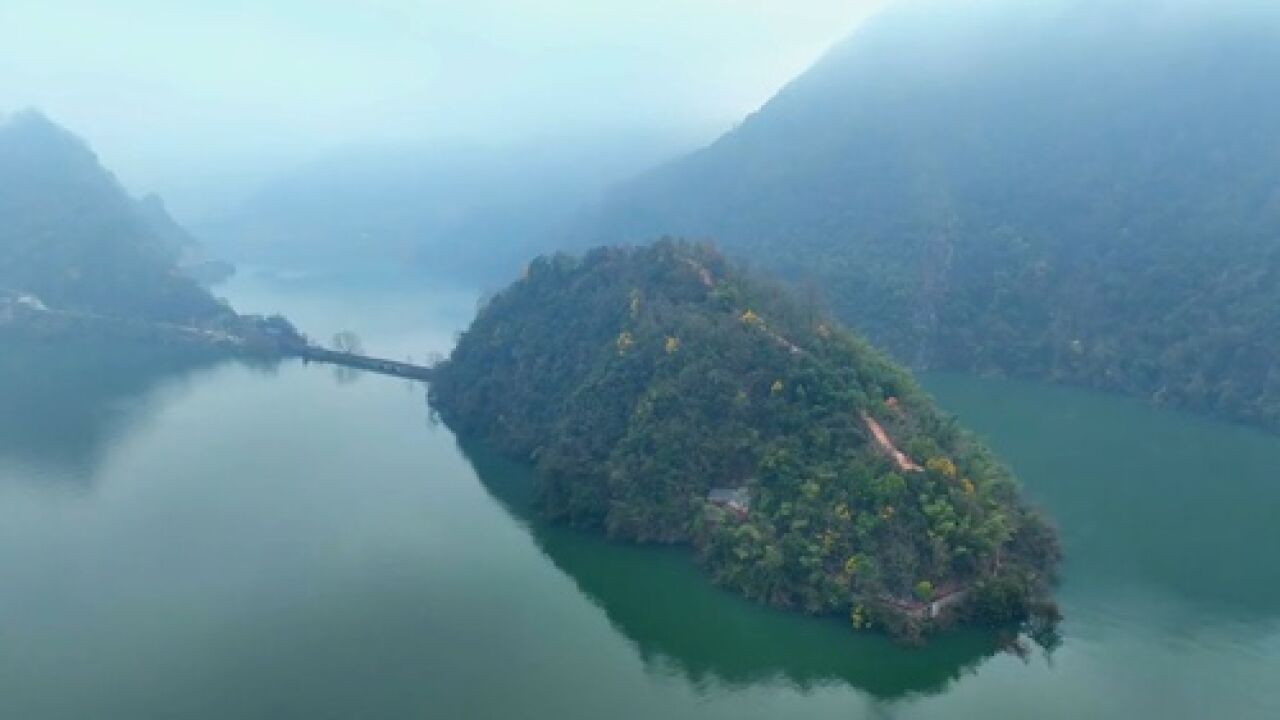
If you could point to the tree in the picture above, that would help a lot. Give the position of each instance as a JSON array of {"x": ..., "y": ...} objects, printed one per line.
[
  {"x": 924, "y": 590},
  {"x": 348, "y": 342}
]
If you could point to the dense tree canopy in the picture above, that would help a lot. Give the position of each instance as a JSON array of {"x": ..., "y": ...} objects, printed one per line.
[
  {"x": 639, "y": 380},
  {"x": 1075, "y": 190}
]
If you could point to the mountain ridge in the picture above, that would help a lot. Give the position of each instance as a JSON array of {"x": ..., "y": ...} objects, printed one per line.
[
  {"x": 1055, "y": 196},
  {"x": 72, "y": 236}
]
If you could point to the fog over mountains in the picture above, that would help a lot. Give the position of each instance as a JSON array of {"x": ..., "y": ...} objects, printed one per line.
[
  {"x": 477, "y": 211},
  {"x": 1073, "y": 190},
  {"x": 1080, "y": 191},
  {"x": 73, "y": 237}
]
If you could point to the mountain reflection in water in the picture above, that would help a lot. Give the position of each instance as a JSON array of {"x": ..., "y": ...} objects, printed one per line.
[
  {"x": 64, "y": 401},
  {"x": 680, "y": 623}
]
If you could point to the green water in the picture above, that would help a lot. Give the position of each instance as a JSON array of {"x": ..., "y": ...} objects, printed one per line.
[{"x": 182, "y": 538}]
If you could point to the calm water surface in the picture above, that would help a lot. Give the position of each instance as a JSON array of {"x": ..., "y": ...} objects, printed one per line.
[{"x": 182, "y": 538}]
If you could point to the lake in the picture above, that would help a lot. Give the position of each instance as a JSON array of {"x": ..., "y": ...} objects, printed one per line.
[{"x": 183, "y": 537}]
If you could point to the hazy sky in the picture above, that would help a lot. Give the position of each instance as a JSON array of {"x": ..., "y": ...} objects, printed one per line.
[{"x": 169, "y": 87}]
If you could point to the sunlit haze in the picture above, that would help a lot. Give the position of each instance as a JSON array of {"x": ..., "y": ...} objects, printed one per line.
[{"x": 165, "y": 91}]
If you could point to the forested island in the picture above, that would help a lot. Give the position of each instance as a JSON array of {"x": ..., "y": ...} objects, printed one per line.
[{"x": 666, "y": 397}]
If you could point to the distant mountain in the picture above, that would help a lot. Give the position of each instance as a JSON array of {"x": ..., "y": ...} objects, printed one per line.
[
  {"x": 175, "y": 238},
  {"x": 1084, "y": 191},
  {"x": 475, "y": 211},
  {"x": 71, "y": 236},
  {"x": 190, "y": 254},
  {"x": 666, "y": 397}
]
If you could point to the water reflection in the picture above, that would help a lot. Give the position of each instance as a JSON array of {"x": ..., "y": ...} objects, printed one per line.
[
  {"x": 680, "y": 624},
  {"x": 1163, "y": 515},
  {"x": 345, "y": 375},
  {"x": 64, "y": 402}
]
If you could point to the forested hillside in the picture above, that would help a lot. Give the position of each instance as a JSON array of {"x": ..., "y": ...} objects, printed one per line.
[
  {"x": 665, "y": 397},
  {"x": 1074, "y": 190},
  {"x": 71, "y": 236}
]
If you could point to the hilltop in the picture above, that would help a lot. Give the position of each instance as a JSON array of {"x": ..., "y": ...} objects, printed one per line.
[
  {"x": 665, "y": 397},
  {"x": 72, "y": 236},
  {"x": 1080, "y": 191},
  {"x": 80, "y": 257}
]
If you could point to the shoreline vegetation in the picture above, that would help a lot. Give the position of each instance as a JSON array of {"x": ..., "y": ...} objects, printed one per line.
[
  {"x": 254, "y": 335},
  {"x": 665, "y": 397}
]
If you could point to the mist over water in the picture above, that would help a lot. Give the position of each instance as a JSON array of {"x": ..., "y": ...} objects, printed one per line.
[
  {"x": 1062, "y": 215},
  {"x": 273, "y": 543}
]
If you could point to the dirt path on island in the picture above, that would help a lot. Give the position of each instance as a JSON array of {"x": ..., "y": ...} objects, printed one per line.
[
  {"x": 904, "y": 463},
  {"x": 878, "y": 433}
]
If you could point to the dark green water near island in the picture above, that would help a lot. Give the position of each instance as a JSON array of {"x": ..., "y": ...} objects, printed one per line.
[{"x": 188, "y": 538}]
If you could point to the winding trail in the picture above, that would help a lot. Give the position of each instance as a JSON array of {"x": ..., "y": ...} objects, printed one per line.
[{"x": 903, "y": 462}]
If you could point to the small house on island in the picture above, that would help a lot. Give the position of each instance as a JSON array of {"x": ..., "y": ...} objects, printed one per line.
[
  {"x": 941, "y": 604},
  {"x": 736, "y": 500},
  {"x": 14, "y": 304}
]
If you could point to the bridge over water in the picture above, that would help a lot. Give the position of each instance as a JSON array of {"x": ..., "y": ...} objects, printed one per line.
[
  {"x": 365, "y": 362},
  {"x": 27, "y": 311}
]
